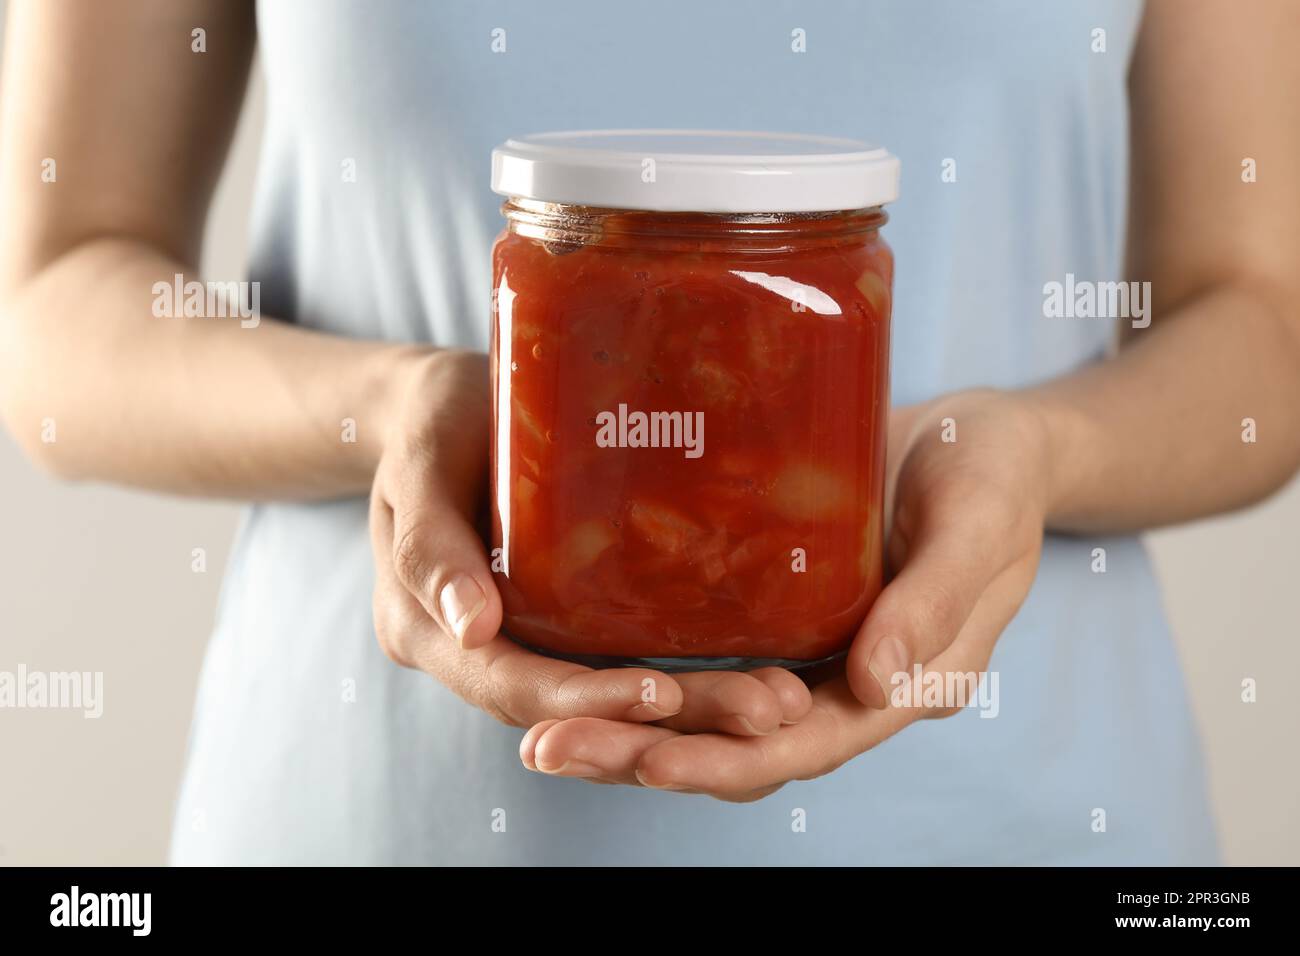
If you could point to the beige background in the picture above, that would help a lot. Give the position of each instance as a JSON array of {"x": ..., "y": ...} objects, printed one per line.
[{"x": 100, "y": 579}]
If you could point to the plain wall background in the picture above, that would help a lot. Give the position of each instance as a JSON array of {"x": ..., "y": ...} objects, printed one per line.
[{"x": 99, "y": 579}]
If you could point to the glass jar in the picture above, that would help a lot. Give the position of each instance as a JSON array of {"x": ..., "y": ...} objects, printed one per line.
[{"x": 690, "y": 404}]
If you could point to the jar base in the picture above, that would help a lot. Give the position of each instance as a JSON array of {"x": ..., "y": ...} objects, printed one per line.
[{"x": 679, "y": 665}]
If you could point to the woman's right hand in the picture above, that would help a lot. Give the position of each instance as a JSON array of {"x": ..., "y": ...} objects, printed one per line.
[{"x": 437, "y": 609}]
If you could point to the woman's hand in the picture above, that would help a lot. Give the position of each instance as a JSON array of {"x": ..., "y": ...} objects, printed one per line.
[
  {"x": 436, "y": 607},
  {"x": 968, "y": 492}
]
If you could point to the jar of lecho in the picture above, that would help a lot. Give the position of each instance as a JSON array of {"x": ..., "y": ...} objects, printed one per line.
[{"x": 690, "y": 365}]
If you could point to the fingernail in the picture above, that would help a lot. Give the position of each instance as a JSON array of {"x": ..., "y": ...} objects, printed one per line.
[
  {"x": 461, "y": 600},
  {"x": 747, "y": 726},
  {"x": 650, "y": 708},
  {"x": 573, "y": 768},
  {"x": 888, "y": 659},
  {"x": 657, "y": 786}
]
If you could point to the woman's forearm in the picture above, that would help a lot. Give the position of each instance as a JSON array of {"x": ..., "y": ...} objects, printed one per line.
[
  {"x": 92, "y": 383},
  {"x": 95, "y": 386},
  {"x": 1155, "y": 434},
  {"x": 1159, "y": 433}
]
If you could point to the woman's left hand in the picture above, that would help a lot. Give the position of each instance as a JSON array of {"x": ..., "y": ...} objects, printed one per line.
[{"x": 968, "y": 492}]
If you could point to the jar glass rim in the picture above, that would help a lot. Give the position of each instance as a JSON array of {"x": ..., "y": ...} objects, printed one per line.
[{"x": 554, "y": 221}]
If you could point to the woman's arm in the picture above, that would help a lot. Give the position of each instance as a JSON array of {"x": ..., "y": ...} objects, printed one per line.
[
  {"x": 1154, "y": 435},
  {"x": 137, "y": 125}
]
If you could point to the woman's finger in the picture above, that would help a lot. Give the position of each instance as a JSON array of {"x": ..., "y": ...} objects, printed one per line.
[
  {"x": 438, "y": 482},
  {"x": 590, "y": 748},
  {"x": 513, "y": 684},
  {"x": 952, "y": 554},
  {"x": 529, "y": 687},
  {"x": 791, "y": 692},
  {"x": 734, "y": 703},
  {"x": 837, "y": 729},
  {"x": 439, "y": 557},
  {"x": 528, "y": 746},
  {"x": 963, "y": 665}
]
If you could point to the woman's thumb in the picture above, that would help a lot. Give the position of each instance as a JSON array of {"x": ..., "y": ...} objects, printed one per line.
[{"x": 440, "y": 559}]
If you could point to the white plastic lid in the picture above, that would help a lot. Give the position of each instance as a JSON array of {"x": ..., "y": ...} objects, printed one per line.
[{"x": 696, "y": 171}]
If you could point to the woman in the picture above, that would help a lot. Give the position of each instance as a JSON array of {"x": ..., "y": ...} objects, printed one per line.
[{"x": 1030, "y": 134}]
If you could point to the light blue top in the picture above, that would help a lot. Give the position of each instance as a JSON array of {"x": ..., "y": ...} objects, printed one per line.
[{"x": 1093, "y": 713}]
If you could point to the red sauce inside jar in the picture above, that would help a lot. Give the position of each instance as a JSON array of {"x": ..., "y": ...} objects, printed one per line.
[{"x": 740, "y": 517}]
